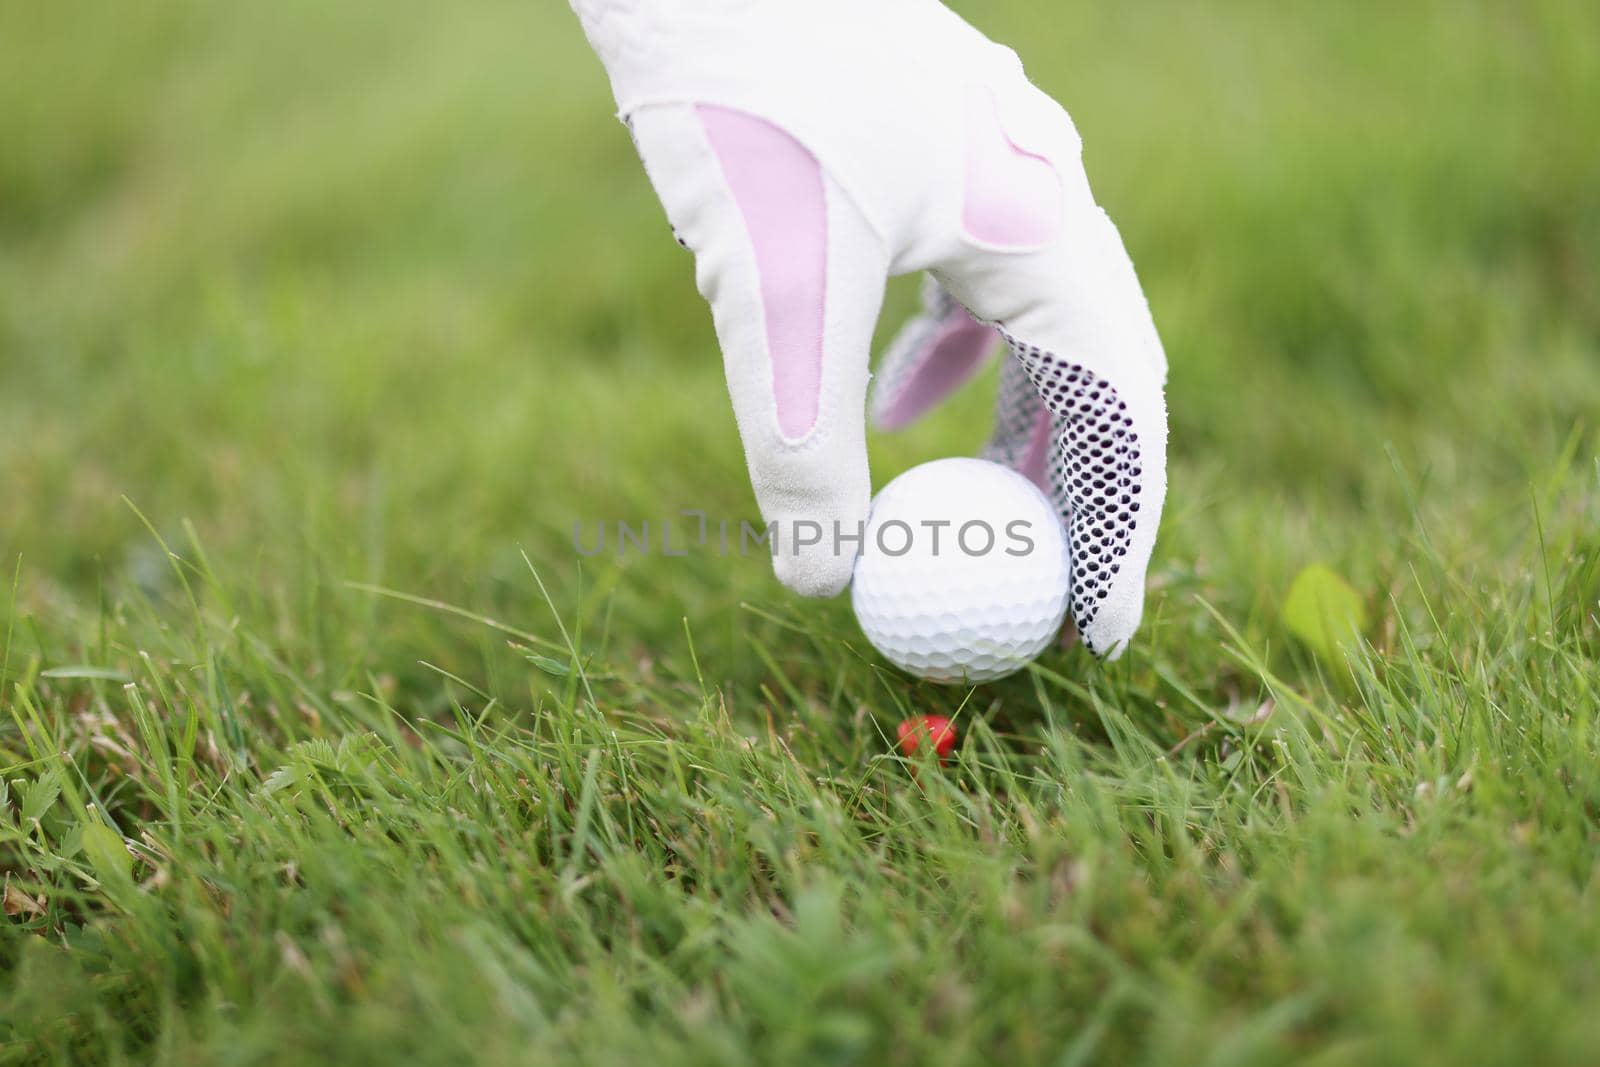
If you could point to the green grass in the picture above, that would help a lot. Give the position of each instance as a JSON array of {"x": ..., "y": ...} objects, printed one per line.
[{"x": 300, "y": 302}]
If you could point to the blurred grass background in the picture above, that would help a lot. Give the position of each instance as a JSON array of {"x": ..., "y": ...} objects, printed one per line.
[
  {"x": 302, "y": 271},
  {"x": 378, "y": 293}
]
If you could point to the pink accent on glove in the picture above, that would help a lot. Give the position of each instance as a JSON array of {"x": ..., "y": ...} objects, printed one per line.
[
  {"x": 777, "y": 184},
  {"x": 1013, "y": 197},
  {"x": 1032, "y": 464},
  {"x": 953, "y": 356}
]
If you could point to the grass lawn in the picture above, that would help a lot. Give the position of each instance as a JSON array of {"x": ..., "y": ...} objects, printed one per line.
[{"x": 321, "y": 325}]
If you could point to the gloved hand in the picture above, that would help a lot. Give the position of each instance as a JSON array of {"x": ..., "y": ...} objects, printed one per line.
[{"x": 805, "y": 150}]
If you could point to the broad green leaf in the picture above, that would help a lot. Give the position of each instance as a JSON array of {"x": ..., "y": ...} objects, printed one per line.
[
  {"x": 356, "y": 754},
  {"x": 39, "y": 795},
  {"x": 71, "y": 842},
  {"x": 1324, "y": 611},
  {"x": 548, "y": 665},
  {"x": 107, "y": 854},
  {"x": 284, "y": 777}
]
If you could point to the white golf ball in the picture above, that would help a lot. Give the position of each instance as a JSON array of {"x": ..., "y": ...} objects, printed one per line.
[{"x": 964, "y": 572}]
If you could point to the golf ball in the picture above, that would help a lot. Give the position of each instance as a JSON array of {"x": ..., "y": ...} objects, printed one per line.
[{"x": 963, "y": 573}]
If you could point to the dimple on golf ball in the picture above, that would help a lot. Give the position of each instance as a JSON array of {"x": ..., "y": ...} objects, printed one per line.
[{"x": 964, "y": 572}]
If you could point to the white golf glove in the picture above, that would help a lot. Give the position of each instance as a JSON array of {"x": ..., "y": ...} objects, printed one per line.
[{"x": 805, "y": 150}]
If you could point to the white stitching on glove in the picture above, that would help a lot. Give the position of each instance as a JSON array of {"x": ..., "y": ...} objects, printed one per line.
[{"x": 805, "y": 150}]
